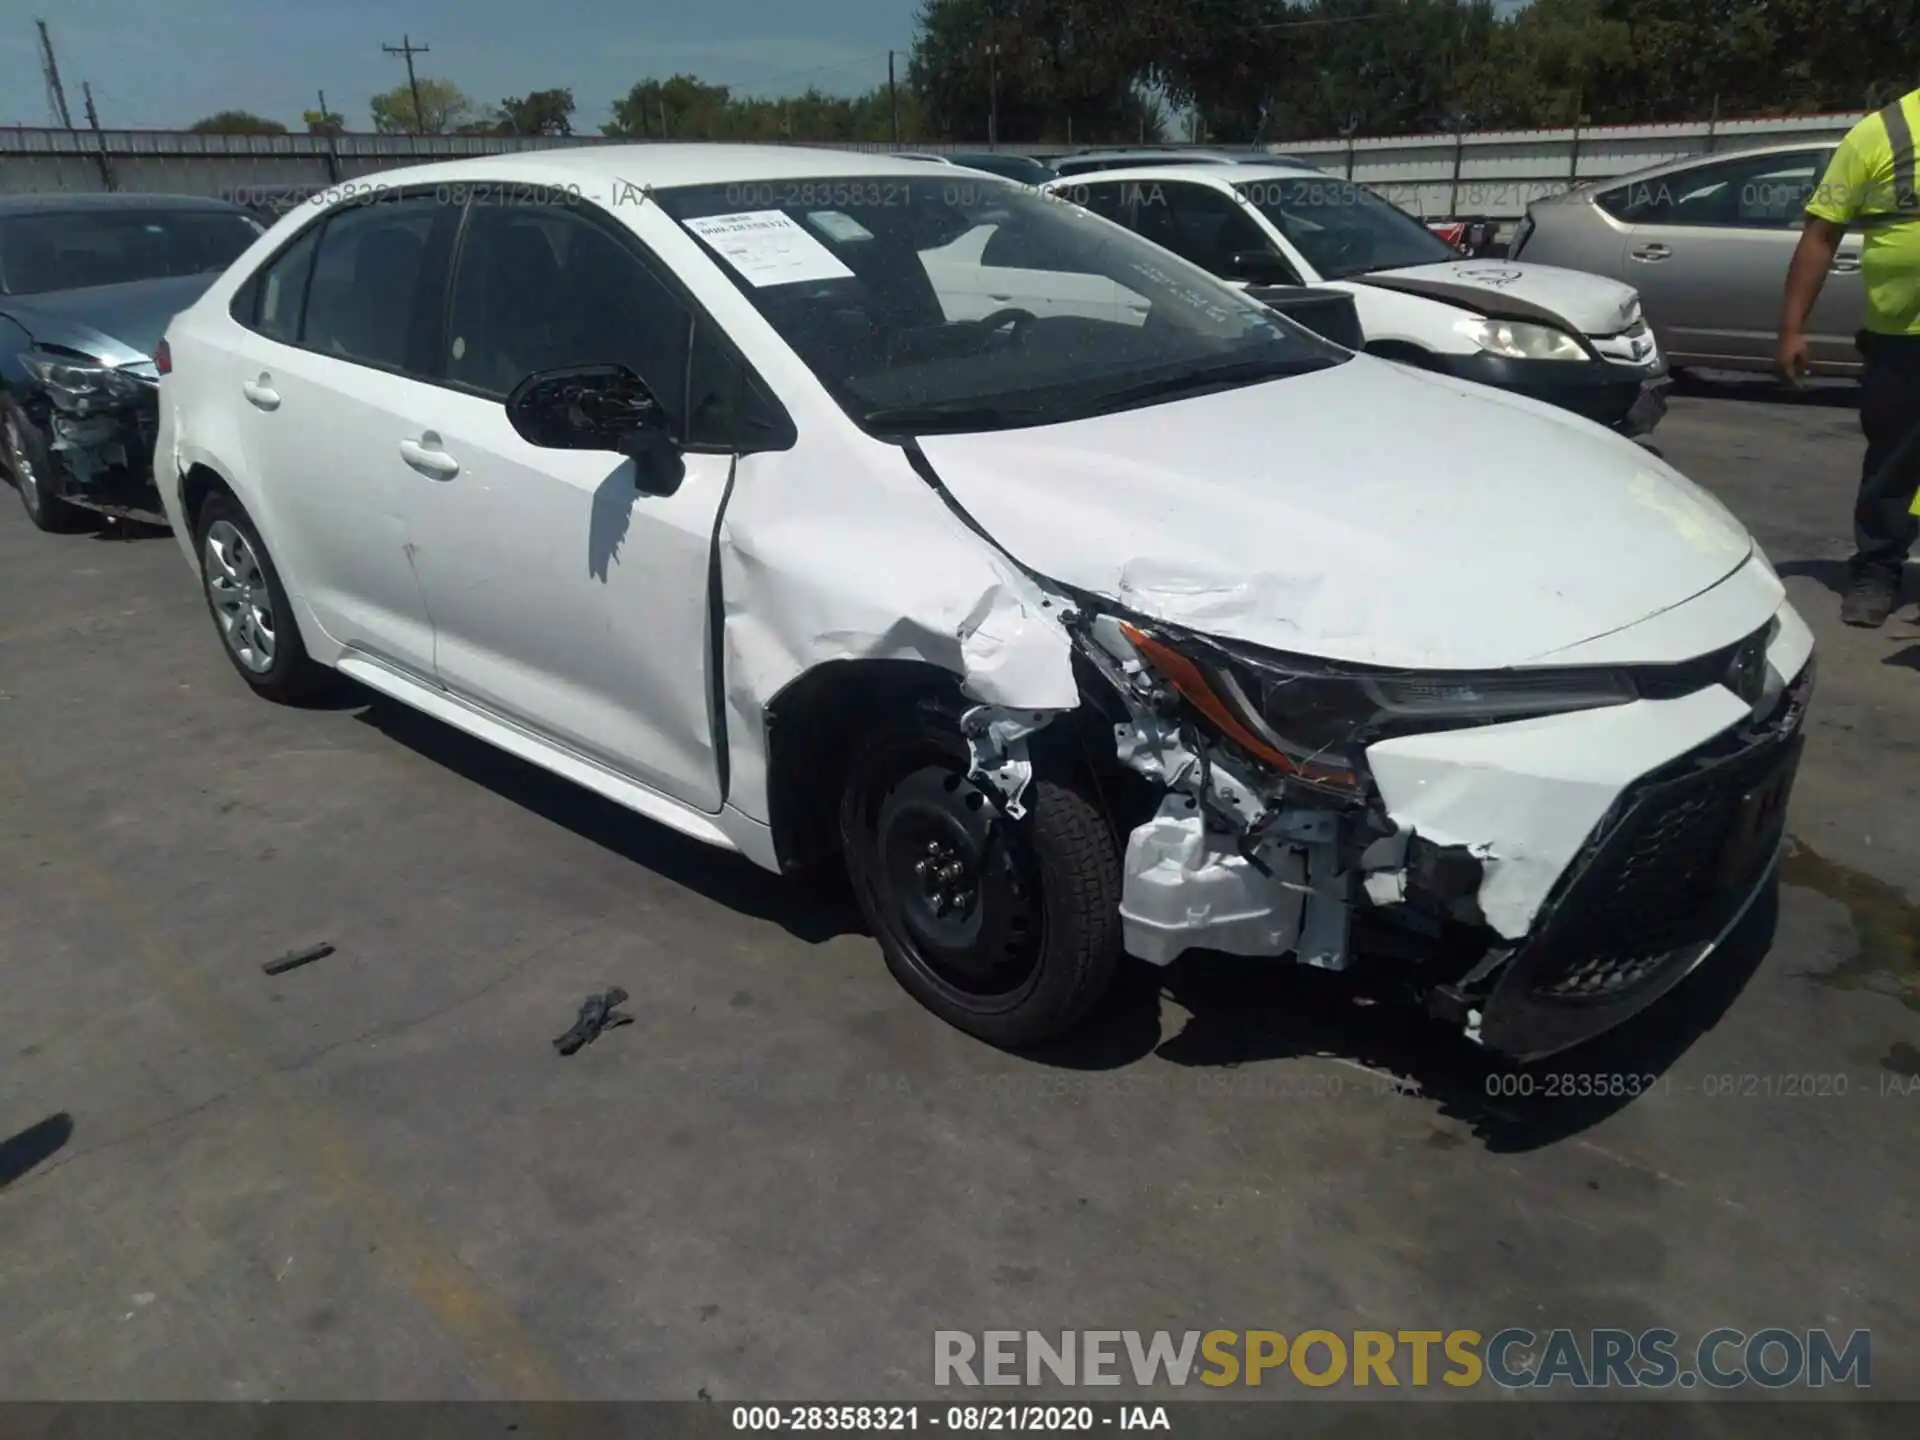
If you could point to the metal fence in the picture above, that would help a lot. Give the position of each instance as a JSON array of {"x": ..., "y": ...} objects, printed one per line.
[{"x": 1491, "y": 173}]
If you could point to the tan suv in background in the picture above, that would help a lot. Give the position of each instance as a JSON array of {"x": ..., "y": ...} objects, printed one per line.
[{"x": 1706, "y": 242}]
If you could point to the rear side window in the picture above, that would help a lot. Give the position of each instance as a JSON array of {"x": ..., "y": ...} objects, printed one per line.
[
  {"x": 280, "y": 291},
  {"x": 364, "y": 297},
  {"x": 1748, "y": 192}
]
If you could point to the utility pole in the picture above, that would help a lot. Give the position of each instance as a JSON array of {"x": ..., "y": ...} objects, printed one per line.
[
  {"x": 407, "y": 49},
  {"x": 56, "y": 92},
  {"x": 93, "y": 122},
  {"x": 893, "y": 100},
  {"x": 993, "y": 96}
]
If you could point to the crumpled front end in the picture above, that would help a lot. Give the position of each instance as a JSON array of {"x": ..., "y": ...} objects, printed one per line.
[
  {"x": 1544, "y": 877},
  {"x": 99, "y": 424}
]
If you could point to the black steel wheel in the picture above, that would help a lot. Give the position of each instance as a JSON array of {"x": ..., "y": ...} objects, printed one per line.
[{"x": 1008, "y": 929}]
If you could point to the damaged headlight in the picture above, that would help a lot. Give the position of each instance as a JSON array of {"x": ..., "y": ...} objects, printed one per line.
[
  {"x": 1313, "y": 720},
  {"x": 82, "y": 387},
  {"x": 1516, "y": 340}
]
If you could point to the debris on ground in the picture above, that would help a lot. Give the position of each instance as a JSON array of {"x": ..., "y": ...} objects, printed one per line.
[
  {"x": 596, "y": 1014},
  {"x": 294, "y": 959}
]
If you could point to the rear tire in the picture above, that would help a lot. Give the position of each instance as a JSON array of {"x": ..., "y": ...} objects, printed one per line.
[
  {"x": 30, "y": 467},
  {"x": 249, "y": 605},
  {"x": 1008, "y": 930}
]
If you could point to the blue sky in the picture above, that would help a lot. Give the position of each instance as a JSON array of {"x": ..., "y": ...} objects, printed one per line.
[{"x": 166, "y": 63}]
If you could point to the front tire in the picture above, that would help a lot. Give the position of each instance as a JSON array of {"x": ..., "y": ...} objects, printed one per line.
[
  {"x": 31, "y": 469},
  {"x": 1008, "y": 930},
  {"x": 249, "y": 605}
]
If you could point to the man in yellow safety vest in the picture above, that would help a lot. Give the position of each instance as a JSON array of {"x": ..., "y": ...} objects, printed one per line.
[{"x": 1872, "y": 185}]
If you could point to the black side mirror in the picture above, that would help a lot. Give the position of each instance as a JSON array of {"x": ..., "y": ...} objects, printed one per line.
[
  {"x": 1261, "y": 267},
  {"x": 589, "y": 407}
]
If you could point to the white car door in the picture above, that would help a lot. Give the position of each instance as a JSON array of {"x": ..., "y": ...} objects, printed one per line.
[
  {"x": 565, "y": 597},
  {"x": 325, "y": 392}
]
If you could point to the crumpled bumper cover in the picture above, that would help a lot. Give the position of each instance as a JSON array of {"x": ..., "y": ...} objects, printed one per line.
[{"x": 1669, "y": 872}]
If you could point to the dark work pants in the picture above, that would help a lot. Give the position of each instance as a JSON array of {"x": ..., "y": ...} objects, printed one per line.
[{"x": 1884, "y": 526}]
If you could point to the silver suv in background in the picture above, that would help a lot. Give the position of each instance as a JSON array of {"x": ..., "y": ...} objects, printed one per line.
[{"x": 1706, "y": 242}]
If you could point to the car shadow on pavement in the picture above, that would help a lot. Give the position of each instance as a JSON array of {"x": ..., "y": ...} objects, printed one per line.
[
  {"x": 811, "y": 912},
  {"x": 1244, "y": 1012},
  {"x": 33, "y": 1146},
  {"x": 1832, "y": 574},
  {"x": 120, "y": 531},
  {"x": 1823, "y": 391}
]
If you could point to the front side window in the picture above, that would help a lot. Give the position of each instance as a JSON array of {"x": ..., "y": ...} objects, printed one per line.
[
  {"x": 1758, "y": 192},
  {"x": 365, "y": 301},
  {"x": 76, "y": 249},
  {"x": 1107, "y": 199},
  {"x": 1342, "y": 228},
  {"x": 1197, "y": 223},
  {"x": 882, "y": 286},
  {"x": 542, "y": 287}
]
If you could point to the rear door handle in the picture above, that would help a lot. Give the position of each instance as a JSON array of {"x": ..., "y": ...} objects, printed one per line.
[
  {"x": 426, "y": 456},
  {"x": 1846, "y": 264},
  {"x": 1655, "y": 251},
  {"x": 260, "y": 393}
]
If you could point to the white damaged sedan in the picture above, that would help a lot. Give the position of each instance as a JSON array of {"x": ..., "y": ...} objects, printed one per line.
[{"x": 1073, "y": 601}]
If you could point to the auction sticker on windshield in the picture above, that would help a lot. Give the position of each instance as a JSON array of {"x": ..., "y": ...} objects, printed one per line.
[{"x": 768, "y": 248}]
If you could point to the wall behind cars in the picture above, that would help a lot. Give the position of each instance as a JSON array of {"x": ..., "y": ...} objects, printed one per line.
[{"x": 1491, "y": 173}]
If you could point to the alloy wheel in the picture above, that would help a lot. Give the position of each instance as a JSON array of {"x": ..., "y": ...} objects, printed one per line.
[{"x": 241, "y": 598}]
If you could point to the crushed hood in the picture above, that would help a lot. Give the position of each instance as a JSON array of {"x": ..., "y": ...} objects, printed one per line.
[
  {"x": 1367, "y": 513},
  {"x": 117, "y": 324},
  {"x": 1513, "y": 289}
]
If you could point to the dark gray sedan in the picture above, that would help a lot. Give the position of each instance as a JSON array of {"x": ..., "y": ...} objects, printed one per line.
[{"x": 87, "y": 286}]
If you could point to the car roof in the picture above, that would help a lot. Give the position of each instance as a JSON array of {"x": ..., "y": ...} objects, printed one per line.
[
  {"x": 1225, "y": 171},
  {"x": 663, "y": 164},
  {"x": 1687, "y": 162},
  {"x": 66, "y": 202}
]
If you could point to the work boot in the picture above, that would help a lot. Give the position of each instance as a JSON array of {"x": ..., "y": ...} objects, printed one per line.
[{"x": 1870, "y": 598}]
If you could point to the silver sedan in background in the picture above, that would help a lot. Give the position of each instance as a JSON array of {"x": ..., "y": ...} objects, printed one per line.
[{"x": 1706, "y": 241}]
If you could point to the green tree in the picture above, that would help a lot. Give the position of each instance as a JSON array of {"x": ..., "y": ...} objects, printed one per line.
[
  {"x": 540, "y": 112},
  {"x": 1050, "y": 70},
  {"x": 444, "y": 108},
  {"x": 681, "y": 108},
  {"x": 237, "y": 122}
]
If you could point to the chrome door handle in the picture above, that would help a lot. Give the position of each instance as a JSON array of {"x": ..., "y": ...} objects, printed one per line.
[
  {"x": 260, "y": 393},
  {"x": 1845, "y": 264},
  {"x": 426, "y": 456},
  {"x": 1655, "y": 251}
]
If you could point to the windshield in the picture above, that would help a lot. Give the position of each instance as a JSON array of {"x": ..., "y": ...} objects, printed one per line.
[
  {"x": 1342, "y": 228},
  {"x": 74, "y": 249},
  {"x": 970, "y": 303}
]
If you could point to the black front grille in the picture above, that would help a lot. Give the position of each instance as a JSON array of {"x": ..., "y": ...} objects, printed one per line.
[{"x": 1655, "y": 885}]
